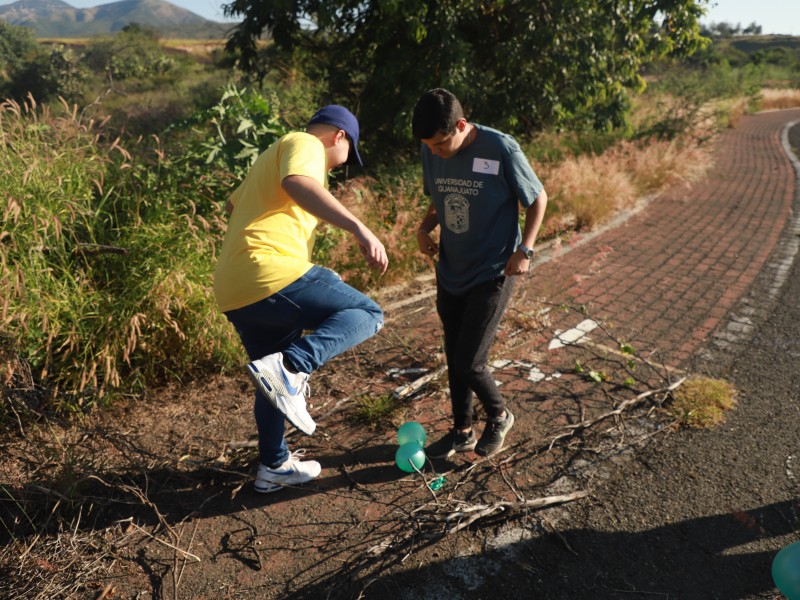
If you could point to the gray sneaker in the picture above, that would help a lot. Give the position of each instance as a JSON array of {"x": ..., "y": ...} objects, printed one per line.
[
  {"x": 494, "y": 434},
  {"x": 453, "y": 441}
]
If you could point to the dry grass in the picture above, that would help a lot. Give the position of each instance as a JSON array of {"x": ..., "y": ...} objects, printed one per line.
[
  {"x": 62, "y": 566},
  {"x": 588, "y": 190},
  {"x": 701, "y": 402},
  {"x": 774, "y": 98},
  {"x": 392, "y": 210},
  {"x": 202, "y": 50},
  {"x": 692, "y": 119},
  {"x": 657, "y": 165},
  {"x": 584, "y": 191},
  {"x": 730, "y": 111}
]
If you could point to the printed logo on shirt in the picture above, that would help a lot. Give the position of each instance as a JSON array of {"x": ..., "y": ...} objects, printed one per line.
[
  {"x": 465, "y": 187},
  {"x": 484, "y": 165},
  {"x": 456, "y": 213}
]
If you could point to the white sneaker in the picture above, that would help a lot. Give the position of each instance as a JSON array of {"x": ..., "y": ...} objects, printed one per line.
[
  {"x": 292, "y": 472},
  {"x": 285, "y": 390}
]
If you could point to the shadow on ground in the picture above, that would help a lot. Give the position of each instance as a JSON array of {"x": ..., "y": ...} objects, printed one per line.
[{"x": 688, "y": 560}]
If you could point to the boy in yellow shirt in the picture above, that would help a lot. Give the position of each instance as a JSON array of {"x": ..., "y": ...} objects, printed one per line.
[{"x": 272, "y": 293}]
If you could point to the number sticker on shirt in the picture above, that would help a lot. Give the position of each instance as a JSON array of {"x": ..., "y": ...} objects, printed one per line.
[{"x": 484, "y": 165}]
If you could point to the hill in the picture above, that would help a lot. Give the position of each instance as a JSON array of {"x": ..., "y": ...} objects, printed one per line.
[
  {"x": 753, "y": 43},
  {"x": 57, "y": 19}
]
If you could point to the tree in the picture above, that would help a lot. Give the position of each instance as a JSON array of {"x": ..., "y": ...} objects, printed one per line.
[
  {"x": 17, "y": 47},
  {"x": 725, "y": 29},
  {"x": 50, "y": 73},
  {"x": 516, "y": 64},
  {"x": 752, "y": 29},
  {"x": 132, "y": 52},
  {"x": 28, "y": 68}
]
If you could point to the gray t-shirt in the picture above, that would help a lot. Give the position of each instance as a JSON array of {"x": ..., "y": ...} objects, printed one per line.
[{"x": 476, "y": 195}]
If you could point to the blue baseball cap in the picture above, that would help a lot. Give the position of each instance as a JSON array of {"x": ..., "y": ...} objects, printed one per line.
[{"x": 340, "y": 117}]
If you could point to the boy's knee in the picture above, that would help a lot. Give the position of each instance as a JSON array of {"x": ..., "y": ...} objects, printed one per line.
[
  {"x": 377, "y": 316},
  {"x": 376, "y": 313},
  {"x": 471, "y": 373}
]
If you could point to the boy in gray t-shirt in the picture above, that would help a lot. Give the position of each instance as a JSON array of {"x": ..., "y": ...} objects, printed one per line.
[{"x": 476, "y": 177}]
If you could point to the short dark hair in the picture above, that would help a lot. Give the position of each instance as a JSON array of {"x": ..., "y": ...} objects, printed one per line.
[{"x": 436, "y": 111}]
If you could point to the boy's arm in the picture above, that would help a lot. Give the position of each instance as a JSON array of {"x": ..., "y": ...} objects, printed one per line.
[
  {"x": 312, "y": 197},
  {"x": 518, "y": 263},
  {"x": 429, "y": 222},
  {"x": 534, "y": 215}
]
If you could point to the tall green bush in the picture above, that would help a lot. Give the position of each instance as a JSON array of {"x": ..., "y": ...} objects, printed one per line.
[
  {"x": 105, "y": 262},
  {"x": 231, "y": 134},
  {"x": 131, "y": 53},
  {"x": 521, "y": 66},
  {"x": 17, "y": 46},
  {"x": 29, "y": 69}
]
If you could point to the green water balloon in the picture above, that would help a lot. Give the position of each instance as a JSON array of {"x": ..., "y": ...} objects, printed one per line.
[
  {"x": 408, "y": 454},
  {"x": 411, "y": 432},
  {"x": 786, "y": 571}
]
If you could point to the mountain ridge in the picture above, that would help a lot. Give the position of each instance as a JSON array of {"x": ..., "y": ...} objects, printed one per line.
[{"x": 58, "y": 19}]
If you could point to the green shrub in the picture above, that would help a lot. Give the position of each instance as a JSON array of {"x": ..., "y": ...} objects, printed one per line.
[
  {"x": 378, "y": 412},
  {"x": 231, "y": 134},
  {"x": 131, "y": 53},
  {"x": 17, "y": 46},
  {"x": 29, "y": 69},
  {"x": 105, "y": 262}
]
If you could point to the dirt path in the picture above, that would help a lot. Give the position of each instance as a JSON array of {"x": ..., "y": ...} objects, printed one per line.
[{"x": 159, "y": 499}]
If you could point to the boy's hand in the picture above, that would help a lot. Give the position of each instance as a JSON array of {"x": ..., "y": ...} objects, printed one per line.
[
  {"x": 518, "y": 264},
  {"x": 373, "y": 250},
  {"x": 426, "y": 244}
]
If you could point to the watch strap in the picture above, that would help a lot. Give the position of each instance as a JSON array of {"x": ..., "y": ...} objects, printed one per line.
[{"x": 528, "y": 252}]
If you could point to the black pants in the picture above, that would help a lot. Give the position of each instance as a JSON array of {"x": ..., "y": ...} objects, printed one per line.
[{"x": 470, "y": 323}]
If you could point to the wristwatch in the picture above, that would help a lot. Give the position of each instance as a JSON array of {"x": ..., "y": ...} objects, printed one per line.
[{"x": 528, "y": 252}]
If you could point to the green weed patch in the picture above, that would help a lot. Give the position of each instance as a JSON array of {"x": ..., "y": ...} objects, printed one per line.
[{"x": 105, "y": 263}]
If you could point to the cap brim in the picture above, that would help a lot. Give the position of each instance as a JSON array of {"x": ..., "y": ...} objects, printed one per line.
[{"x": 354, "y": 158}]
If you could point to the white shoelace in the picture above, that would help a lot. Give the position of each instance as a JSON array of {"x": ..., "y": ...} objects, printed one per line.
[
  {"x": 303, "y": 386},
  {"x": 295, "y": 455}
]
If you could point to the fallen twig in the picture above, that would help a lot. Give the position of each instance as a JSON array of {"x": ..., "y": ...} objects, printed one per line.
[
  {"x": 407, "y": 390},
  {"x": 613, "y": 413},
  {"x": 167, "y": 544},
  {"x": 483, "y": 510}
]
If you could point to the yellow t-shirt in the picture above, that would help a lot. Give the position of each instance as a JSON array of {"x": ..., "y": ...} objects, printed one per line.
[{"x": 269, "y": 238}]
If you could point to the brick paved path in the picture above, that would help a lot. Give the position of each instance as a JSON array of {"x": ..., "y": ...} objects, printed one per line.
[{"x": 669, "y": 275}]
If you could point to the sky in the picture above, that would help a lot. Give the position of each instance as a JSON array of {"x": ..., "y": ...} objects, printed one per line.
[{"x": 774, "y": 16}]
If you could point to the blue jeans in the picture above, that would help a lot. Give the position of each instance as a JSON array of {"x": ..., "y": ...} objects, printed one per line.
[{"x": 335, "y": 316}]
